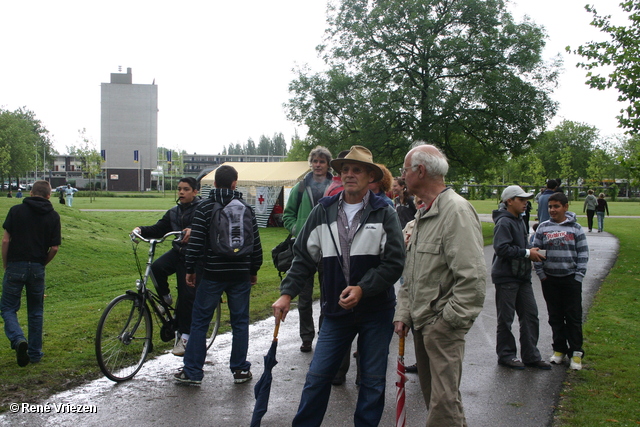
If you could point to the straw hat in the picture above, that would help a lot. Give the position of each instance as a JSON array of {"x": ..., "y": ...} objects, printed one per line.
[{"x": 361, "y": 155}]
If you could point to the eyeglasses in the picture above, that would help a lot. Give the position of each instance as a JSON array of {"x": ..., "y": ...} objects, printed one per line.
[{"x": 404, "y": 170}]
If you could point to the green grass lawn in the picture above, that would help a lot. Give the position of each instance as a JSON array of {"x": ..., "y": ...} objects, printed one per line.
[{"x": 95, "y": 264}]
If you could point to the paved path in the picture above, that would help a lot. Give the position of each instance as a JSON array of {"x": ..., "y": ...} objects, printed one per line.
[{"x": 493, "y": 396}]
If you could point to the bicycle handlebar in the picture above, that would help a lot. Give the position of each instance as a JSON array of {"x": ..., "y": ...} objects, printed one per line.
[{"x": 137, "y": 237}]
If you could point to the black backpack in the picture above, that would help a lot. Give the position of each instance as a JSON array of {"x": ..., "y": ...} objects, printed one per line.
[{"x": 231, "y": 232}]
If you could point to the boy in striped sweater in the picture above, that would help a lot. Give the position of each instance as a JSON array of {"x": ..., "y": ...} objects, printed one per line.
[{"x": 561, "y": 277}]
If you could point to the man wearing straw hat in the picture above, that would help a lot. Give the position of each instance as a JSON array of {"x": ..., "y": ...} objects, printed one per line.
[
  {"x": 444, "y": 283},
  {"x": 357, "y": 237}
]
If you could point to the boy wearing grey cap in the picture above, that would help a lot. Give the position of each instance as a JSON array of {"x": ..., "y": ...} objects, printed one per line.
[{"x": 511, "y": 275}]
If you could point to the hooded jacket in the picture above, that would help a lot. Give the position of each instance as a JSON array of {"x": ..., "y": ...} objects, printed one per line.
[
  {"x": 510, "y": 246},
  {"x": 566, "y": 246},
  {"x": 177, "y": 218},
  {"x": 376, "y": 256},
  {"x": 218, "y": 268},
  {"x": 34, "y": 226}
]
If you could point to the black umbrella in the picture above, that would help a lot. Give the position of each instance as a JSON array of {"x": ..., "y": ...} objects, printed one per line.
[{"x": 263, "y": 386}]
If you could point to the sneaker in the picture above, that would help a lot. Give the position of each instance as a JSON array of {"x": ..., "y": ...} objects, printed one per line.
[
  {"x": 576, "y": 361},
  {"x": 21, "y": 353},
  {"x": 511, "y": 363},
  {"x": 181, "y": 377},
  {"x": 167, "y": 299},
  {"x": 557, "y": 358},
  {"x": 240, "y": 377},
  {"x": 179, "y": 347}
]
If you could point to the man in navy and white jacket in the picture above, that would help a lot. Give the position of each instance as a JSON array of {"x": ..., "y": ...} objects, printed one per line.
[
  {"x": 357, "y": 237},
  {"x": 561, "y": 276}
]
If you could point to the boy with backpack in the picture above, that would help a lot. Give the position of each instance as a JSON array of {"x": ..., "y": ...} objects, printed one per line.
[{"x": 225, "y": 233}]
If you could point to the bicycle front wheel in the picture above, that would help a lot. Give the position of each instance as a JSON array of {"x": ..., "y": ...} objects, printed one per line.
[
  {"x": 212, "y": 332},
  {"x": 123, "y": 339}
]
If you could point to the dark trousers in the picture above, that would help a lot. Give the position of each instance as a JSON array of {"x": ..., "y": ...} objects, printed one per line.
[
  {"x": 590, "y": 215},
  {"x": 305, "y": 308},
  {"x": 564, "y": 302},
  {"x": 512, "y": 298},
  {"x": 163, "y": 267}
]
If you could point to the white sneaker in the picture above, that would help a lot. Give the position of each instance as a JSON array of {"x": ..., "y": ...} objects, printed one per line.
[
  {"x": 179, "y": 347},
  {"x": 576, "y": 361},
  {"x": 557, "y": 358}
]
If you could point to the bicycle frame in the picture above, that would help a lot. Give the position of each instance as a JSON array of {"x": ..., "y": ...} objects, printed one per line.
[{"x": 145, "y": 292}]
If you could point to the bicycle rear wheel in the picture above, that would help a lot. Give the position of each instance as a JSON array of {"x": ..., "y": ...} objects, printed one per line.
[
  {"x": 212, "y": 332},
  {"x": 123, "y": 339}
]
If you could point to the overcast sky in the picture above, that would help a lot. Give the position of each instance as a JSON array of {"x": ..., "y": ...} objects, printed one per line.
[{"x": 222, "y": 70}]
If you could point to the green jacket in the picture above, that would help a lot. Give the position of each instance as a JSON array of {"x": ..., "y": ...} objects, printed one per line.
[{"x": 295, "y": 214}]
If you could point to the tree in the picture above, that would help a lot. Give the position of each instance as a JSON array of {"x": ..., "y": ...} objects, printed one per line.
[
  {"x": 458, "y": 73},
  {"x": 577, "y": 138},
  {"x": 24, "y": 143},
  {"x": 599, "y": 165},
  {"x": 621, "y": 53},
  {"x": 90, "y": 159}
]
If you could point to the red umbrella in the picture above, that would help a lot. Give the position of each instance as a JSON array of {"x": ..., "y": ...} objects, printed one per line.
[{"x": 401, "y": 416}]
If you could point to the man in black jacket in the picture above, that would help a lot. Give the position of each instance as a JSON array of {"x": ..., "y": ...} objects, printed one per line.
[
  {"x": 511, "y": 274},
  {"x": 178, "y": 218},
  {"x": 31, "y": 239},
  {"x": 232, "y": 275}
]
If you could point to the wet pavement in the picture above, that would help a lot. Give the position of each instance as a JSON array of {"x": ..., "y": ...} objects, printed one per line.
[{"x": 492, "y": 395}]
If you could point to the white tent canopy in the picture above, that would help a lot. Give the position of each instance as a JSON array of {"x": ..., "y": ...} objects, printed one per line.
[{"x": 261, "y": 182}]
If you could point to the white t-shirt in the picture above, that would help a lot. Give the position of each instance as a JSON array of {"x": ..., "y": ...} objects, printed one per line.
[{"x": 350, "y": 210}]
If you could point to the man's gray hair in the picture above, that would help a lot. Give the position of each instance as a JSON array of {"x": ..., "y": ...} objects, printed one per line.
[
  {"x": 436, "y": 165},
  {"x": 320, "y": 151}
]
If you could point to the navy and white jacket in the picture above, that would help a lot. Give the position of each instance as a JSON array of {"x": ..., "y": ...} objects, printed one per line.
[
  {"x": 376, "y": 256},
  {"x": 217, "y": 268},
  {"x": 567, "y": 249}
]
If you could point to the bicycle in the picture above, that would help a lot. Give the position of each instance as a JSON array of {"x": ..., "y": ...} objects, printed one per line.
[{"x": 125, "y": 329}]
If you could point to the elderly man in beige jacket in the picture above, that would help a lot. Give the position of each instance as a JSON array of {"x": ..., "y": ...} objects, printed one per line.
[{"x": 444, "y": 283}]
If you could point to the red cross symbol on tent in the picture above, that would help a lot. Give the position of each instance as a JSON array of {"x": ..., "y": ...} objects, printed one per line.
[{"x": 261, "y": 199}]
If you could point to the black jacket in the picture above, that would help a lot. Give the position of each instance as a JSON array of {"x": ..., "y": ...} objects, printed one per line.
[
  {"x": 510, "y": 245},
  {"x": 177, "y": 218},
  {"x": 34, "y": 226}
]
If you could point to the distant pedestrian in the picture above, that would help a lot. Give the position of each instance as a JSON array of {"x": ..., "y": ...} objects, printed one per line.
[
  {"x": 26, "y": 250},
  {"x": 69, "y": 192},
  {"x": 543, "y": 200},
  {"x": 600, "y": 211},
  {"x": 9, "y": 195},
  {"x": 19, "y": 194},
  {"x": 511, "y": 275},
  {"x": 590, "y": 205},
  {"x": 561, "y": 276}
]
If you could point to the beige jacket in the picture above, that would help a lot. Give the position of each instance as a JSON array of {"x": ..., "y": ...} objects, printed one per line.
[{"x": 445, "y": 271}]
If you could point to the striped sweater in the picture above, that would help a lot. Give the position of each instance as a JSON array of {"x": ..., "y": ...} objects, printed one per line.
[
  {"x": 218, "y": 268},
  {"x": 566, "y": 246}
]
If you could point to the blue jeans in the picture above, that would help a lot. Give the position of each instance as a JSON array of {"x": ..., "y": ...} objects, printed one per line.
[
  {"x": 600, "y": 221},
  {"x": 29, "y": 275},
  {"x": 374, "y": 332},
  {"x": 207, "y": 298}
]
